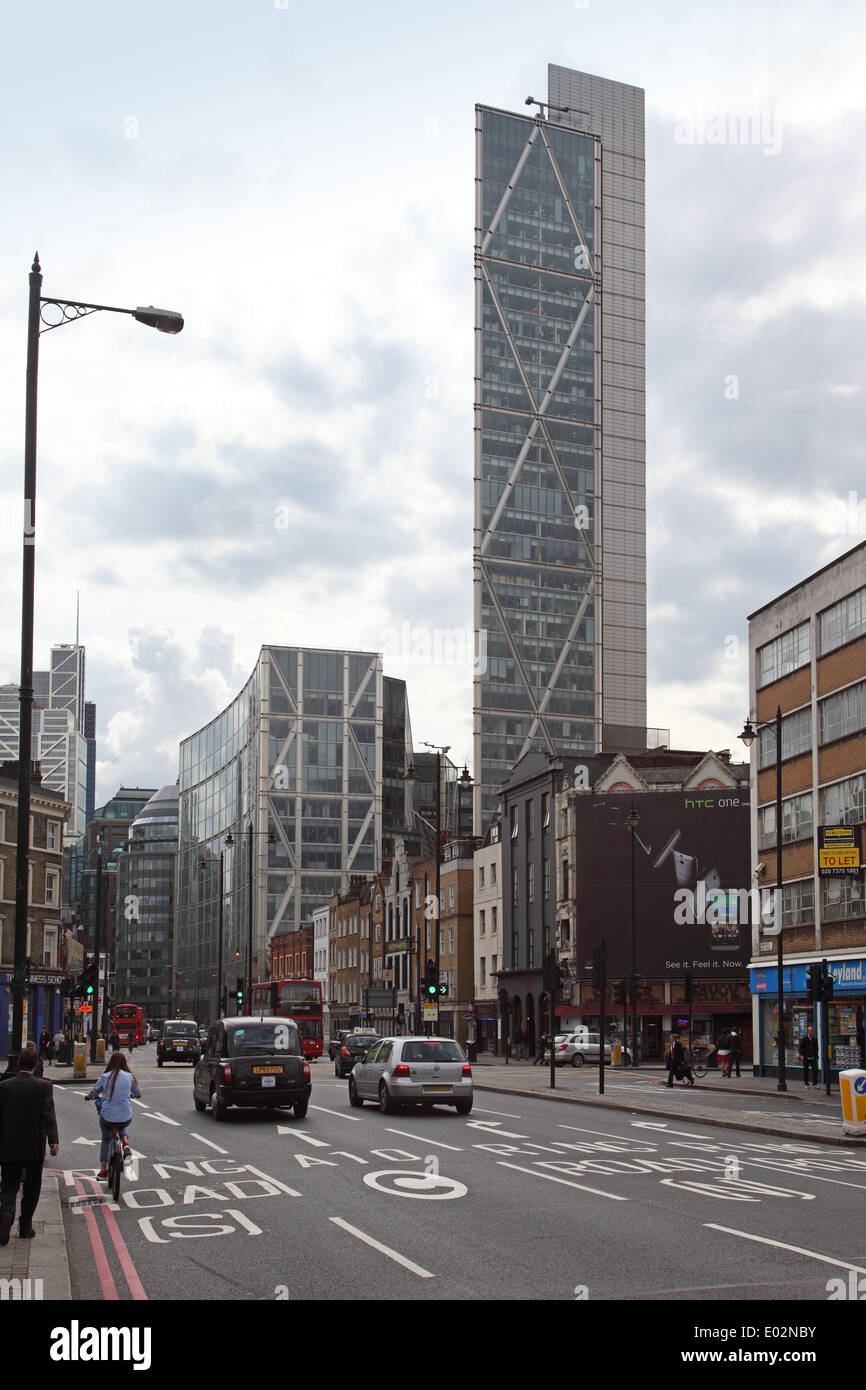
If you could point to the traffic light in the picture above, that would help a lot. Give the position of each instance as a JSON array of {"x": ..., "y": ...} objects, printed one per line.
[
  {"x": 443, "y": 983},
  {"x": 431, "y": 988},
  {"x": 503, "y": 1003},
  {"x": 239, "y": 994},
  {"x": 620, "y": 994},
  {"x": 828, "y": 984},
  {"x": 636, "y": 986},
  {"x": 599, "y": 967},
  {"x": 88, "y": 982},
  {"x": 815, "y": 983}
]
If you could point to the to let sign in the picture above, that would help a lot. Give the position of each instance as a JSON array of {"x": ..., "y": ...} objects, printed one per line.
[{"x": 838, "y": 850}]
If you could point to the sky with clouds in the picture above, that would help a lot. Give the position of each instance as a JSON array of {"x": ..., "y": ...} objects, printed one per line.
[{"x": 296, "y": 467}]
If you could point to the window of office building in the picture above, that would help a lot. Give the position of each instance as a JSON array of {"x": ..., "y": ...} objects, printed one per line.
[
  {"x": 783, "y": 655},
  {"x": 844, "y": 803},
  {"x": 841, "y": 897},
  {"x": 798, "y": 903},
  {"x": 796, "y": 737},
  {"x": 843, "y": 713},
  {"x": 842, "y": 623},
  {"x": 796, "y": 821}
]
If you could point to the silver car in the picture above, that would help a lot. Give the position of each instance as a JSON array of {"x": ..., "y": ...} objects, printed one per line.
[
  {"x": 578, "y": 1048},
  {"x": 413, "y": 1071}
]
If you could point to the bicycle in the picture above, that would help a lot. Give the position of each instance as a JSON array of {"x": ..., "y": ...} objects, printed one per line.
[
  {"x": 116, "y": 1155},
  {"x": 699, "y": 1061}
]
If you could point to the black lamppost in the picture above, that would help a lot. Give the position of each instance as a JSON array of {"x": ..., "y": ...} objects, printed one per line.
[
  {"x": 229, "y": 840},
  {"x": 632, "y": 821},
  {"x": 62, "y": 311},
  {"x": 750, "y": 732},
  {"x": 98, "y": 1012}
]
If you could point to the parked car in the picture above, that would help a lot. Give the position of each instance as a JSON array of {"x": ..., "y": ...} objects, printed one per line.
[
  {"x": 252, "y": 1062},
  {"x": 178, "y": 1042},
  {"x": 355, "y": 1046},
  {"x": 413, "y": 1071},
  {"x": 153, "y": 1032},
  {"x": 578, "y": 1048}
]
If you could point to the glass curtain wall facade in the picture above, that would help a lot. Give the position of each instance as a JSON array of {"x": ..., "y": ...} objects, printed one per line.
[
  {"x": 145, "y": 897},
  {"x": 306, "y": 766},
  {"x": 551, "y": 681}
]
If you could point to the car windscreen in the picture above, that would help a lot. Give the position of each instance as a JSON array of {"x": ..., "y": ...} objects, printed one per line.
[
  {"x": 265, "y": 1037},
  {"x": 432, "y": 1052},
  {"x": 180, "y": 1030},
  {"x": 360, "y": 1045}
]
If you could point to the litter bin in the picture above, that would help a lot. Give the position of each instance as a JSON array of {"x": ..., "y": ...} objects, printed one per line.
[{"x": 852, "y": 1089}]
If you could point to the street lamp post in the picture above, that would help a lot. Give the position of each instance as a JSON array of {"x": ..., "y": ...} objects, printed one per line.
[
  {"x": 97, "y": 1015},
  {"x": 750, "y": 732},
  {"x": 632, "y": 820},
  {"x": 165, "y": 321},
  {"x": 229, "y": 840}
]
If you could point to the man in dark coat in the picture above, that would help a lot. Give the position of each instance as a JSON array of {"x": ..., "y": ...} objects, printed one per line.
[
  {"x": 26, "y": 1119},
  {"x": 809, "y": 1056}
]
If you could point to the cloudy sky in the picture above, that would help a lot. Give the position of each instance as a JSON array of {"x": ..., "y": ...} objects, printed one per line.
[{"x": 296, "y": 467}]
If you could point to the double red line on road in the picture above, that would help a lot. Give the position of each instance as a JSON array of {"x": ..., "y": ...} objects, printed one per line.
[{"x": 100, "y": 1254}]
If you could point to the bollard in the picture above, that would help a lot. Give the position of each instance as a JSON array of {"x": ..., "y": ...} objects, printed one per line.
[
  {"x": 617, "y": 1055},
  {"x": 852, "y": 1089},
  {"x": 80, "y": 1062},
  {"x": 100, "y": 1050}
]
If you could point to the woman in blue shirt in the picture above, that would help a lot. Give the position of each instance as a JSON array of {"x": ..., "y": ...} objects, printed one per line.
[{"x": 115, "y": 1087}]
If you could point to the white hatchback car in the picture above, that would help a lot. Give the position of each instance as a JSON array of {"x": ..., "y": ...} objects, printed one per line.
[
  {"x": 413, "y": 1071},
  {"x": 578, "y": 1048}
]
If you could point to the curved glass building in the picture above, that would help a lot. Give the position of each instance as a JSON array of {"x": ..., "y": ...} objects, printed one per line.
[
  {"x": 145, "y": 893},
  {"x": 297, "y": 784}
]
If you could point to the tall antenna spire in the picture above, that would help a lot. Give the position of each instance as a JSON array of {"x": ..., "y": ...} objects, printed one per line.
[{"x": 77, "y": 597}]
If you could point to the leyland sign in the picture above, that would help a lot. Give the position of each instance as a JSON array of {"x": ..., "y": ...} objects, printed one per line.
[{"x": 695, "y": 900}]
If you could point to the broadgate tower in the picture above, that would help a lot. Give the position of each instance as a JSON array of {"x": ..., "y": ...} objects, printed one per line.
[{"x": 560, "y": 515}]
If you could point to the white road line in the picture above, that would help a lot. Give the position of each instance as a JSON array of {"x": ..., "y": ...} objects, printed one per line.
[
  {"x": 356, "y": 1119},
  {"x": 603, "y": 1134},
  {"x": 211, "y": 1145},
  {"x": 139, "y": 1102},
  {"x": 166, "y": 1119},
  {"x": 383, "y": 1249},
  {"x": 506, "y": 1114},
  {"x": 407, "y": 1134},
  {"x": 662, "y": 1130},
  {"x": 614, "y": 1197},
  {"x": 300, "y": 1134},
  {"x": 780, "y": 1245}
]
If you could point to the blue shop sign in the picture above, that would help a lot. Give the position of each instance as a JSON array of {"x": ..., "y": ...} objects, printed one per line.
[{"x": 849, "y": 977}]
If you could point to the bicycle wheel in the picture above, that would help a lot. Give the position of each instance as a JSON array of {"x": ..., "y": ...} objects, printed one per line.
[{"x": 699, "y": 1068}]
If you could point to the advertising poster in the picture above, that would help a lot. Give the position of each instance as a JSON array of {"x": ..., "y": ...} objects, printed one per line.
[{"x": 694, "y": 898}]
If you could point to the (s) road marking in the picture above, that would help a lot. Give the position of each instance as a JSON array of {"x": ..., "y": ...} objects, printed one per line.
[
  {"x": 356, "y": 1119},
  {"x": 781, "y": 1245},
  {"x": 383, "y": 1249},
  {"x": 211, "y": 1145},
  {"x": 407, "y": 1134},
  {"x": 614, "y": 1197}
]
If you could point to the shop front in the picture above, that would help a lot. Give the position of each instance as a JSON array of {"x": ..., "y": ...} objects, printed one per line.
[
  {"x": 845, "y": 1013},
  {"x": 43, "y": 1006}
]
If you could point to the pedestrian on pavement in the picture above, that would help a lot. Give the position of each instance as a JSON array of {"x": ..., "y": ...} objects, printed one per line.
[
  {"x": 809, "y": 1055},
  {"x": 45, "y": 1044},
  {"x": 59, "y": 1041},
  {"x": 736, "y": 1044},
  {"x": 518, "y": 1042},
  {"x": 27, "y": 1119},
  {"x": 115, "y": 1088},
  {"x": 114, "y": 1040},
  {"x": 540, "y": 1050},
  {"x": 723, "y": 1052},
  {"x": 677, "y": 1065}
]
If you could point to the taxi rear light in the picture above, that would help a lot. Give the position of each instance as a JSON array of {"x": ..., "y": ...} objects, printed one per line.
[
  {"x": 467, "y": 1070},
  {"x": 226, "y": 1071},
  {"x": 306, "y": 1070},
  {"x": 345, "y": 1052},
  {"x": 401, "y": 1070}
]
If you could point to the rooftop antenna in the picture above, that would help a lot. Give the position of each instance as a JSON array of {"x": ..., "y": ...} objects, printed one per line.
[
  {"x": 77, "y": 598},
  {"x": 546, "y": 105}
]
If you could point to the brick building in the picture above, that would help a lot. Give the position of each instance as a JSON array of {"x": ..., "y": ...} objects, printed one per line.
[
  {"x": 807, "y": 657},
  {"x": 44, "y": 1005}
]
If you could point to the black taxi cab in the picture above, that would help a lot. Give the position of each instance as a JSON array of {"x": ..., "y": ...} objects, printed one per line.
[{"x": 252, "y": 1062}]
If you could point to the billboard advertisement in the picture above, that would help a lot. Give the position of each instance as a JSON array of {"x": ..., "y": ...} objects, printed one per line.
[{"x": 694, "y": 899}]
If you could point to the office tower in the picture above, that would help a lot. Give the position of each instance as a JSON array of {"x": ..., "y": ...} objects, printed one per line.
[
  {"x": 559, "y": 551},
  {"x": 297, "y": 785}
]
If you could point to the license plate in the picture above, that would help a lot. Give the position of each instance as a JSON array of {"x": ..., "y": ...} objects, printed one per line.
[
  {"x": 267, "y": 1071},
  {"x": 181, "y": 1047},
  {"x": 445, "y": 1089},
  {"x": 269, "y": 1081}
]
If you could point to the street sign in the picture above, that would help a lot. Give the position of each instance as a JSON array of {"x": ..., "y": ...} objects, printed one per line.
[{"x": 431, "y": 1013}]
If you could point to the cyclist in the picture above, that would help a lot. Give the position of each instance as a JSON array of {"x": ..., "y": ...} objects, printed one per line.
[{"x": 114, "y": 1089}]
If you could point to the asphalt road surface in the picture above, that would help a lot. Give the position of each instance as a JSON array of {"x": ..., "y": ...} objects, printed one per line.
[{"x": 521, "y": 1200}]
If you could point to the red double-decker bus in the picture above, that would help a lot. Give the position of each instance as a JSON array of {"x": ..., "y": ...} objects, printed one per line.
[
  {"x": 128, "y": 1023},
  {"x": 300, "y": 1000}
]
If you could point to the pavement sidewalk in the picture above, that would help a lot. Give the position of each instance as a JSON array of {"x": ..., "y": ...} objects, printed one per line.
[
  {"x": 38, "y": 1269},
  {"x": 678, "y": 1103}
]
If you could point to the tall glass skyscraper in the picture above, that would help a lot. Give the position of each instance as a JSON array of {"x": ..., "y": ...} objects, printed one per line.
[
  {"x": 311, "y": 757},
  {"x": 560, "y": 587}
]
